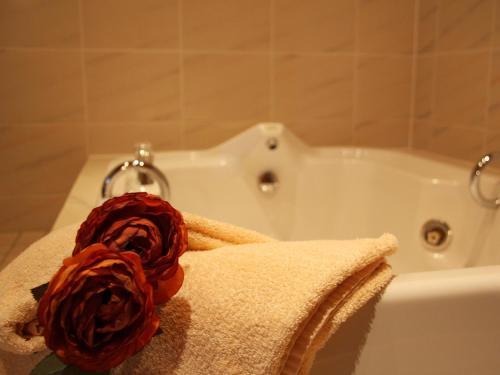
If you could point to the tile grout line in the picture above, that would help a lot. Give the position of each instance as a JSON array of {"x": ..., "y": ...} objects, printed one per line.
[
  {"x": 84, "y": 79},
  {"x": 16, "y": 241},
  {"x": 437, "y": 25},
  {"x": 225, "y": 51},
  {"x": 489, "y": 79},
  {"x": 456, "y": 52},
  {"x": 182, "y": 115},
  {"x": 272, "y": 66},
  {"x": 249, "y": 52},
  {"x": 355, "y": 62},
  {"x": 414, "y": 77},
  {"x": 11, "y": 247},
  {"x": 15, "y": 244}
]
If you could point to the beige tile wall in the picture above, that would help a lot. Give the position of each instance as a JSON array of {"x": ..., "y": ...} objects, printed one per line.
[
  {"x": 457, "y": 92},
  {"x": 93, "y": 76}
]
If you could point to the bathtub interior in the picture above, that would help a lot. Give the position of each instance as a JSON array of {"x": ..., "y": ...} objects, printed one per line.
[{"x": 334, "y": 193}]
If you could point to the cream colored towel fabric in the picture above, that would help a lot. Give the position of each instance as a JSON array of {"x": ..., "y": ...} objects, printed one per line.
[
  {"x": 208, "y": 234},
  {"x": 257, "y": 307}
]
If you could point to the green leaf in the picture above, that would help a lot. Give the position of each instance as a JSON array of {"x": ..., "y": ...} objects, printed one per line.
[
  {"x": 158, "y": 332},
  {"x": 50, "y": 365},
  {"x": 73, "y": 370},
  {"x": 39, "y": 291}
]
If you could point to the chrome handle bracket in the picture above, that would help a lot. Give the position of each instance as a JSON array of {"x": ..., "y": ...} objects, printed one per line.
[
  {"x": 474, "y": 183},
  {"x": 142, "y": 167}
]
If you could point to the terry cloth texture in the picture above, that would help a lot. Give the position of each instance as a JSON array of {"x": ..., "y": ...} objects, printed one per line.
[
  {"x": 208, "y": 234},
  {"x": 251, "y": 305}
]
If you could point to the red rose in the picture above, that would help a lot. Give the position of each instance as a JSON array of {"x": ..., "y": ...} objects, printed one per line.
[
  {"x": 98, "y": 309},
  {"x": 144, "y": 224}
]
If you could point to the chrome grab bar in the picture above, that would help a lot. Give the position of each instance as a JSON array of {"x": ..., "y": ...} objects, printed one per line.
[
  {"x": 474, "y": 181},
  {"x": 142, "y": 167}
]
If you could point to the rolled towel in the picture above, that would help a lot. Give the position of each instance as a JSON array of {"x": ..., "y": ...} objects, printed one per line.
[
  {"x": 258, "y": 307},
  {"x": 208, "y": 234}
]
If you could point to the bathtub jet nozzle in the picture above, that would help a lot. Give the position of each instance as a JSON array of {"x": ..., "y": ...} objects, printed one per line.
[{"x": 268, "y": 182}]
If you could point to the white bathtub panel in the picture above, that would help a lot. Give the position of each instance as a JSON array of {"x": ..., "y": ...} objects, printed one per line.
[{"x": 442, "y": 323}]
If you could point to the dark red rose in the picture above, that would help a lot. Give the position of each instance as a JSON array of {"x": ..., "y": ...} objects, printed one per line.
[
  {"x": 98, "y": 309},
  {"x": 146, "y": 225}
]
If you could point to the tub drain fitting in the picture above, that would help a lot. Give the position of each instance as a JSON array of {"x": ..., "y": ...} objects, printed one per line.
[{"x": 436, "y": 235}]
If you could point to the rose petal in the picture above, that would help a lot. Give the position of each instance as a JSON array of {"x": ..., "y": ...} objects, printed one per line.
[
  {"x": 169, "y": 287},
  {"x": 98, "y": 309},
  {"x": 142, "y": 223}
]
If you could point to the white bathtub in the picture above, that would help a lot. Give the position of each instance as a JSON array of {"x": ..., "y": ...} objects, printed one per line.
[{"x": 440, "y": 315}]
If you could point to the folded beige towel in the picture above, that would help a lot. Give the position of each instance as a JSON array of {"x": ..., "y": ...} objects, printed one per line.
[{"x": 258, "y": 307}]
